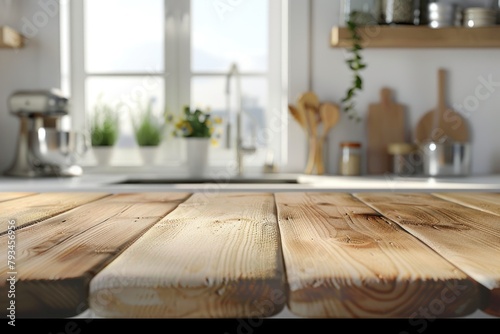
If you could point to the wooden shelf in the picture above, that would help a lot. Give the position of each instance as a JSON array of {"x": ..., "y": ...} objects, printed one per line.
[
  {"x": 9, "y": 38},
  {"x": 419, "y": 37}
]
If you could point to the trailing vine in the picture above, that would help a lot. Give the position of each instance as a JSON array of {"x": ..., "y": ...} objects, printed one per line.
[{"x": 356, "y": 64}]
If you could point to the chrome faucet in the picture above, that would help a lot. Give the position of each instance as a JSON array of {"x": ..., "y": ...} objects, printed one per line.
[{"x": 241, "y": 150}]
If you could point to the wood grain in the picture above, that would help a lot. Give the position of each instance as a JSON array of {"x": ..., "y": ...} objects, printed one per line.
[
  {"x": 10, "y": 196},
  {"x": 487, "y": 202},
  {"x": 419, "y": 37},
  {"x": 32, "y": 209},
  {"x": 385, "y": 125},
  {"x": 468, "y": 238},
  {"x": 442, "y": 124},
  {"x": 56, "y": 258},
  {"x": 215, "y": 256},
  {"x": 344, "y": 260},
  {"x": 329, "y": 116}
]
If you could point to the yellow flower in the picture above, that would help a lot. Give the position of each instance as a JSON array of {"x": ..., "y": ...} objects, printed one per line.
[{"x": 187, "y": 128}]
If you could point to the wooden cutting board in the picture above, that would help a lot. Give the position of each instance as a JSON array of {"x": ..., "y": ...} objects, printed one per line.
[
  {"x": 385, "y": 125},
  {"x": 442, "y": 123}
]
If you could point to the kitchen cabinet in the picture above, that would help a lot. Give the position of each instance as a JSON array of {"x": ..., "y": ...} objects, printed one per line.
[
  {"x": 252, "y": 254},
  {"x": 378, "y": 36},
  {"x": 10, "y": 38}
]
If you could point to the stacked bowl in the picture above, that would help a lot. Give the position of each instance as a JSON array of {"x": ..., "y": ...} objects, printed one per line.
[
  {"x": 479, "y": 17},
  {"x": 443, "y": 15}
]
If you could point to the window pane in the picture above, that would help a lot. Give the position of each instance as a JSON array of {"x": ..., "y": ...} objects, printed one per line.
[
  {"x": 210, "y": 92},
  {"x": 124, "y": 35},
  {"x": 224, "y": 32}
]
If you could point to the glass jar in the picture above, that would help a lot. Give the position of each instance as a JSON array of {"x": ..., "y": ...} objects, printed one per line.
[
  {"x": 350, "y": 159},
  {"x": 406, "y": 159},
  {"x": 498, "y": 11},
  {"x": 362, "y": 12},
  {"x": 421, "y": 12},
  {"x": 398, "y": 11}
]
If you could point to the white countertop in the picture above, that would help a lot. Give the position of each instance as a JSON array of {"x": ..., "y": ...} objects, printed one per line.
[{"x": 113, "y": 182}]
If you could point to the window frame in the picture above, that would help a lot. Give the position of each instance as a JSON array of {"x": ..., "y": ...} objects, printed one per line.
[{"x": 177, "y": 74}]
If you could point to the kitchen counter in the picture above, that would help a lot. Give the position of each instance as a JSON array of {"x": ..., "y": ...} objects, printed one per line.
[
  {"x": 252, "y": 254},
  {"x": 119, "y": 182}
]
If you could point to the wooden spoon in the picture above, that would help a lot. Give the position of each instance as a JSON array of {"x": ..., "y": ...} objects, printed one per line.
[
  {"x": 301, "y": 116},
  {"x": 329, "y": 114},
  {"x": 309, "y": 99},
  {"x": 309, "y": 103},
  {"x": 312, "y": 124},
  {"x": 298, "y": 116}
]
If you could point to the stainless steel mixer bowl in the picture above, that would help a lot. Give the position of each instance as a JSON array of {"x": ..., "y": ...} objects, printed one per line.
[
  {"x": 446, "y": 159},
  {"x": 57, "y": 148}
]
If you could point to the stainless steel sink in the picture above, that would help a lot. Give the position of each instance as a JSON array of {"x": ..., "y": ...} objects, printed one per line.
[{"x": 250, "y": 179}]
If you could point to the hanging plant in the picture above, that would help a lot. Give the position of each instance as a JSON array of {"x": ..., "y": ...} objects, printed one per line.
[{"x": 356, "y": 64}]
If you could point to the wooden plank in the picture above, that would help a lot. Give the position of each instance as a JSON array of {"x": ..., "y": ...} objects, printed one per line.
[
  {"x": 10, "y": 196},
  {"x": 344, "y": 260},
  {"x": 468, "y": 238},
  {"x": 487, "y": 202},
  {"x": 32, "y": 209},
  {"x": 215, "y": 256},
  {"x": 419, "y": 37},
  {"x": 56, "y": 258}
]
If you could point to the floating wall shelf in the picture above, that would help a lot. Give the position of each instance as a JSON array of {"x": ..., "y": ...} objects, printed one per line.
[{"x": 419, "y": 37}]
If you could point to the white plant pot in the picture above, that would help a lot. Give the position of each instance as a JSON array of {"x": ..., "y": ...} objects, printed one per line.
[
  {"x": 197, "y": 156},
  {"x": 103, "y": 154},
  {"x": 149, "y": 155}
]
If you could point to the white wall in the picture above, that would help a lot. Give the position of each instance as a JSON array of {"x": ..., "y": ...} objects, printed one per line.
[
  {"x": 36, "y": 66},
  {"x": 412, "y": 74}
]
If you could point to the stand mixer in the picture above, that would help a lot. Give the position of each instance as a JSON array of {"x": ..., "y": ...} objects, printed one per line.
[{"x": 43, "y": 148}]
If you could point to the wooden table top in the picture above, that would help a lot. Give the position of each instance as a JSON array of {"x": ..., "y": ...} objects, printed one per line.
[{"x": 234, "y": 255}]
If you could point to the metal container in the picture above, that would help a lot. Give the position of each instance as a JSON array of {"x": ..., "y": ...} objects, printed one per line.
[
  {"x": 41, "y": 149},
  {"x": 446, "y": 159},
  {"x": 398, "y": 11},
  {"x": 39, "y": 102},
  {"x": 444, "y": 15},
  {"x": 57, "y": 152},
  {"x": 362, "y": 12},
  {"x": 406, "y": 159}
]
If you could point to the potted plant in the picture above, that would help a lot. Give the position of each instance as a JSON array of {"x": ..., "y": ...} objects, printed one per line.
[
  {"x": 196, "y": 127},
  {"x": 148, "y": 131},
  {"x": 104, "y": 131}
]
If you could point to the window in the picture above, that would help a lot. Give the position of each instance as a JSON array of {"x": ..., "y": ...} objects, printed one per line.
[{"x": 178, "y": 53}]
